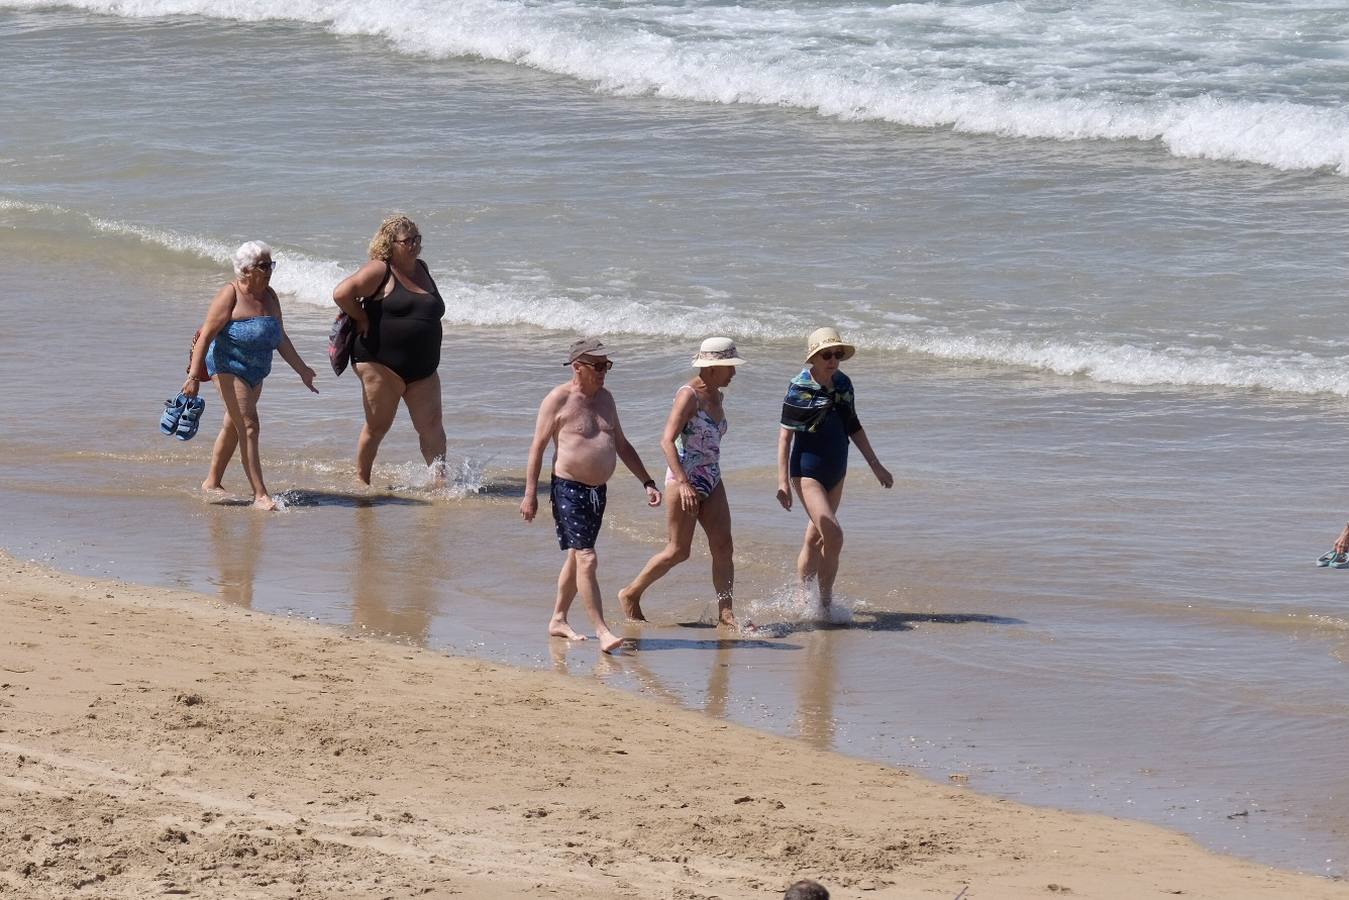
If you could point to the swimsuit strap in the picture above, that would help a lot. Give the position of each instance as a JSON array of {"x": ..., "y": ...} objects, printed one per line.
[
  {"x": 379, "y": 291},
  {"x": 427, "y": 269}
]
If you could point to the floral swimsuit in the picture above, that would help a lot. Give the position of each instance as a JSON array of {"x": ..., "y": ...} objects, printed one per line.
[{"x": 699, "y": 446}]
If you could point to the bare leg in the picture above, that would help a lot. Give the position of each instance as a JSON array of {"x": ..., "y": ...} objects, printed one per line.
[
  {"x": 226, "y": 442},
  {"x": 588, "y": 585},
  {"x": 679, "y": 527},
  {"x": 422, "y": 398},
  {"x": 241, "y": 402},
  {"x": 714, "y": 514},
  {"x": 381, "y": 390},
  {"x": 566, "y": 592},
  {"x": 823, "y": 542}
]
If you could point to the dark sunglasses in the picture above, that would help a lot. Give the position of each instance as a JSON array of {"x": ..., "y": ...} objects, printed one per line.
[
  {"x": 415, "y": 239},
  {"x": 598, "y": 366},
  {"x": 827, "y": 355},
  {"x": 267, "y": 266}
]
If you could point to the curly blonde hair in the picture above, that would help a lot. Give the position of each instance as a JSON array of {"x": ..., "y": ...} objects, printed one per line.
[{"x": 380, "y": 244}]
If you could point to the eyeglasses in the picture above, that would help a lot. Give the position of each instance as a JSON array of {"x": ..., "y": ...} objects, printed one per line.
[
  {"x": 267, "y": 266},
  {"x": 410, "y": 241},
  {"x": 598, "y": 366},
  {"x": 827, "y": 355}
]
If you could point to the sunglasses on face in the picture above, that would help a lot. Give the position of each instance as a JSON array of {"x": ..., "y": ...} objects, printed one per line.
[
  {"x": 604, "y": 366},
  {"x": 267, "y": 266},
  {"x": 827, "y": 355}
]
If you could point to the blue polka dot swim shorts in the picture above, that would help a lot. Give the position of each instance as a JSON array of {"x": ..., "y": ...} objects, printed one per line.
[{"x": 578, "y": 512}]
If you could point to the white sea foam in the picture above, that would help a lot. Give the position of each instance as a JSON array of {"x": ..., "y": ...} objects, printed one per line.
[
  {"x": 309, "y": 280},
  {"x": 1256, "y": 84},
  {"x": 304, "y": 278}
]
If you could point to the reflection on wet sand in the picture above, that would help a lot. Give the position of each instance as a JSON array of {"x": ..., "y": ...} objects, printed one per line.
[
  {"x": 236, "y": 543},
  {"x": 393, "y": 582},
  {"x": 818, "y": 681},
  {"x": 630, "y": 663}
]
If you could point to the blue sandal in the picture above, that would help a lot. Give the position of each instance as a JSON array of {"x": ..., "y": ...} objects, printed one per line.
[
  {"x": 173, "y": 411},
  {"x": 190, "y": 419},
  {"x": 1334, "y": 559}
]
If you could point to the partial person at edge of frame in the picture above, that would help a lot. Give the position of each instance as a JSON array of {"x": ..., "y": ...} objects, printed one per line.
[
  {"x": 819, "y": 421},
  {"x": 695, "y": 493},
  {"x": 242, "y": 329},
  {"x": 397, "y": 310},
  {"x": 580, "y": 419}
]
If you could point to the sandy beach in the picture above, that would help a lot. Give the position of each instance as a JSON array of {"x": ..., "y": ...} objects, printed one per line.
[{"x": 155, "y": 742}]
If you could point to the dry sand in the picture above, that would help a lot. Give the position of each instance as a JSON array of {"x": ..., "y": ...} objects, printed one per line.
[{"x": 154, "y": 742}]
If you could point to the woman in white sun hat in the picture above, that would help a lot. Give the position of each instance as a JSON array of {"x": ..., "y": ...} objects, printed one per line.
[
  {"x": 697, "y": 496},
  {"x": 819, "y": 421}
]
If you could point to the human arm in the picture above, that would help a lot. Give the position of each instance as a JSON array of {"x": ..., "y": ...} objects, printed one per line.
[
  {"x": 288, "y": 351},
  {"x": 292, "y": 356},
  {"x": 863, "y": 443},
  {"x": 685, "y": 406},
  {"x": 217, "y": 317},
  {"x": 545, "y": 428},
  {"x": 784, "y": 454},
  {"x": 364, "y": 282},
  {"x": 628, "y": 454}
]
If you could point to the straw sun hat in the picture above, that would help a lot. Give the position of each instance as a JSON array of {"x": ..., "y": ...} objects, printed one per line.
[
  {"x": 717, "y": 351},
  {"x": 823, "y": 339}
]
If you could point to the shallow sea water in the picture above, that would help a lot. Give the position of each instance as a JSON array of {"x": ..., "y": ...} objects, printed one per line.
[{"x": 1110, "y": 384}]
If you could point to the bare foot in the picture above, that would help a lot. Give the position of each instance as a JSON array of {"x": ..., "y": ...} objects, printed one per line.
[
  {"x": 609, "y": 642},
  {"x": 265, "y": 502},
  {"x": 216, "y": 488},
  {"x": 726, "y": 617},
  {"x": 560, "y": 628},
  {"x": 632, "y": 607}
]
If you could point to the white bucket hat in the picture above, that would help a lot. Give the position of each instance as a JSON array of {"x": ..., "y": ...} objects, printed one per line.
[
  {"x": 717, "y": 351},
  {"x": 823, "y": 339}
]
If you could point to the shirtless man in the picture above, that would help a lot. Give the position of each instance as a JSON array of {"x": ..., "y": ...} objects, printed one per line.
[{"x": 580, "y": 419}]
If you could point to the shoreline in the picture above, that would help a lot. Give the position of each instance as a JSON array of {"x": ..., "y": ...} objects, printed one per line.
[{"x": 158, "y": 741}]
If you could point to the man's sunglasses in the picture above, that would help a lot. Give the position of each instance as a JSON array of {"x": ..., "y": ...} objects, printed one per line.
[{"x": 598, "y": 366}]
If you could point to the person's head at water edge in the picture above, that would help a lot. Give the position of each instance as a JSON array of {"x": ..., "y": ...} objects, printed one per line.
[
  {"x": 253, "y": 265},
  {"x": 825, "y": 350},
  {"x": 589, "y": 361},
  {"x": 716, "y": 360},
  {"x": 397, "y": 241}
]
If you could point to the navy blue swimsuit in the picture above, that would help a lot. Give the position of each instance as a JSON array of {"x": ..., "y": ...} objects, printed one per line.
[
  {"x": 822, "y": 454},
  {"x": 822, "y": 420}
]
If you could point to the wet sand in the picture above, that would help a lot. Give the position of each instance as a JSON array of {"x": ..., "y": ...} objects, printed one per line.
[{"x": 161, "y": 742}]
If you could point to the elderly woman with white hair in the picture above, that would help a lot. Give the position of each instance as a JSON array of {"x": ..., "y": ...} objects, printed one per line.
[{"x": 242, "y": 329}]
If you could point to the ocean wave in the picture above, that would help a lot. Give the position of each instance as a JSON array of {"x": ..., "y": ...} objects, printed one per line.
[
  {"x": 819, "y": 59},
  {"x": 309, "y": 280},
  {"x": 305, "y": 278}
]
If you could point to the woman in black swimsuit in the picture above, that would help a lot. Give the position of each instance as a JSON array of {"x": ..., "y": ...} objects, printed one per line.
[{"x": 397, "y": 311}]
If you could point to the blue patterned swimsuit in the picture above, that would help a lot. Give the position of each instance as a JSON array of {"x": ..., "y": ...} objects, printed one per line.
[{"x": 244, "y": 348}]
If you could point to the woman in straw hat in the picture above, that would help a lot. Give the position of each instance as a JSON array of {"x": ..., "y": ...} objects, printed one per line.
[
  {"x": 692, "y": 445},
  {"x": 819, "y": 421}
]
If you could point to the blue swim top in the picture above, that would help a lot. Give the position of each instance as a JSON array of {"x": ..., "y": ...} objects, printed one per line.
[
  {"x": 244, "y": 348},
  {"x": 808, "y": 403}
]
